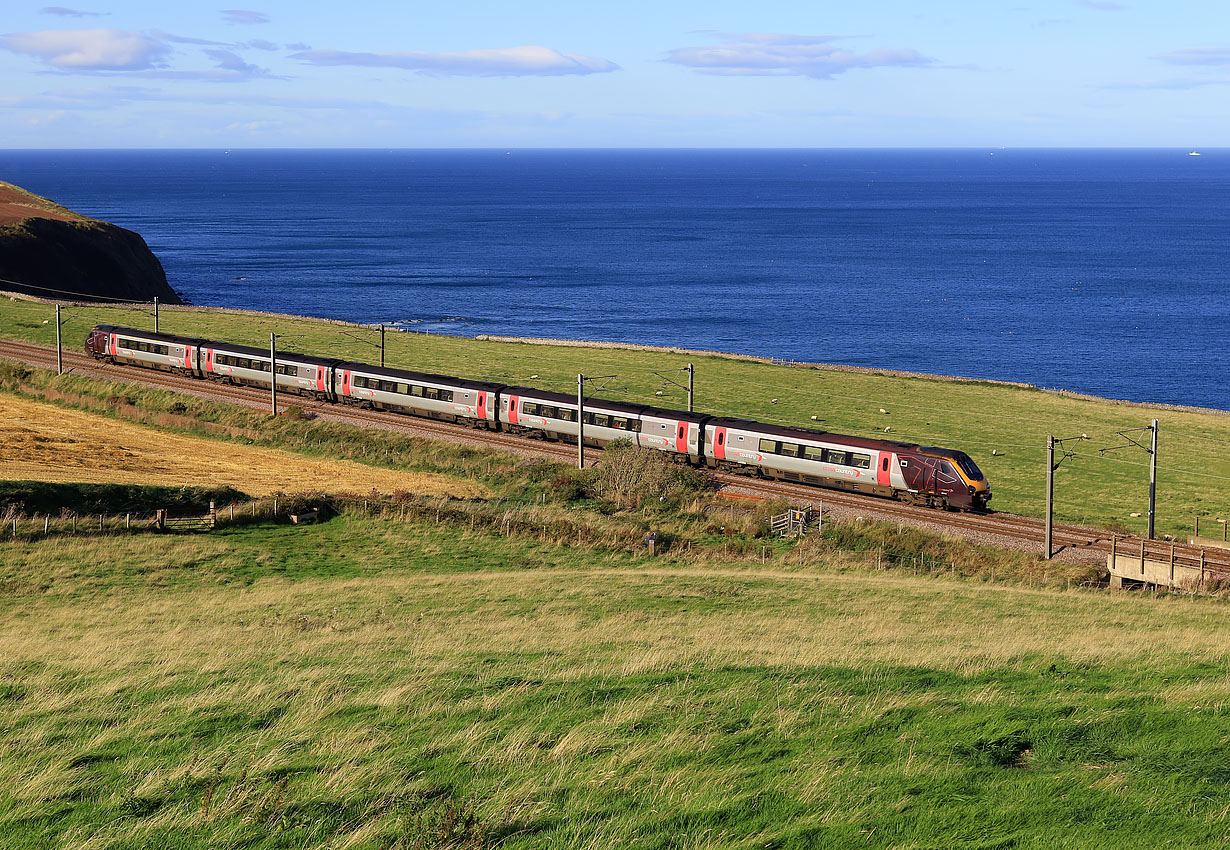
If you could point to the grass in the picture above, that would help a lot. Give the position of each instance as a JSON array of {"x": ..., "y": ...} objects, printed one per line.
[
  {"x": 373, "y": 682},
  {"x": 977, "y": 416}
]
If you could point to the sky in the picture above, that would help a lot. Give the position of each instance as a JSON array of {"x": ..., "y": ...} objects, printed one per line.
[{"x": 633, "y": 73}]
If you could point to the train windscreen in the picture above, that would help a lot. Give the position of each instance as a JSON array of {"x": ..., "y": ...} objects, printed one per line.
[{"x": 968, "y": 466}]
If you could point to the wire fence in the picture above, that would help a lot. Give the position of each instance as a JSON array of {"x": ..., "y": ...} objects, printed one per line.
[{"x": 20, "y": 525}]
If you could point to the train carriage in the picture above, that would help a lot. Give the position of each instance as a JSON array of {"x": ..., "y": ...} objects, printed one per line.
[
  {"x": 542, "y": 413},
  {"x": 442, "y": 397},
  {"x": 243, "y": 364},
  {"x": 166, "y": 352},
  {"x": 922, "y": 475}
]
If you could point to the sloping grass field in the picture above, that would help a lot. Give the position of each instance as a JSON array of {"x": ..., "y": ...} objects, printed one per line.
[
  {"x": 979, "y": 417},
  {"x": 370, "y": 682}
]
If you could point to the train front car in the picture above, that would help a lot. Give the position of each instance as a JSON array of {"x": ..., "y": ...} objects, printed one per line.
[{"x": 944, "y": 478}]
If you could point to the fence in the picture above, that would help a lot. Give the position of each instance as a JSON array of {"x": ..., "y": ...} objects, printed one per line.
[{"x": 66, "y": 523}]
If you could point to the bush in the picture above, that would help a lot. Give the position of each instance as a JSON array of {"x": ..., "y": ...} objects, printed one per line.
[{"x": 628, "y": 477}]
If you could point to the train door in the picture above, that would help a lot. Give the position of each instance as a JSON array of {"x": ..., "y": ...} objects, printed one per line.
[
  {"x": 345, "y": 382},
  {"x": 681, "y": 438},
  {"x": 209, "y": 361},
  {"x": 719, "y": 443},
  {"x": 320, "y": 379},
  {"x": 882, "y": 471},
  {"x": 482, "y": 405}
]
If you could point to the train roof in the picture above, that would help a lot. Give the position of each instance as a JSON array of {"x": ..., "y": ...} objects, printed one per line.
[
  {"x": 813, "y": 434},
  {"x": 427, "y": 377},
  {"x": 120, "y": 329},
  {"x": 571, "y": 399},
  {"x": 283, "y": 356}
]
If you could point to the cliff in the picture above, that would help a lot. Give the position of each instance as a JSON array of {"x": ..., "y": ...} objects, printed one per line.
[{"x": 52, "y": 252}]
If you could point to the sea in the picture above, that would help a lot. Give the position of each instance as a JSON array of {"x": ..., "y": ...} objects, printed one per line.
[{"x": 1097, "y": 271}]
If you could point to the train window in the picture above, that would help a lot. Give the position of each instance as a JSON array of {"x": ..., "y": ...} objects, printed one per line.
[
  {"x": 884, "y": 464},
  {"x": 602, "y": 420},
  {"x": 619, "y": 422},
  {"x": 790, "y": 449},
  {"x": 968, "y": 466},
  {"x": 813, "y": 453},
  {"x": 634, "y": 425},
  {"x": 947, "y": 474},
  {"x": 358, "y": 381},
  {"x": 529, "y": 408},
  {"x": 567, "y": 415},
  {"x": 721, "y": 437},
  {"x": 548, "y": 411},
  {"x": 415, "y": 389},
  {"x": 446, "y": 395},
  {"x": 404, "y": 389},
  {"x": 768, "y": 446},
  {"x": 431, "y": 392},
  {"x": 837, "y": 457},
  {"x": 860, "y": 461}
]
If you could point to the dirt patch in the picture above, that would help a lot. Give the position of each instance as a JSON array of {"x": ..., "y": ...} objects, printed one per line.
[
  {"x": 16, "y": 204},
  {"x": 43, "y": 442}
]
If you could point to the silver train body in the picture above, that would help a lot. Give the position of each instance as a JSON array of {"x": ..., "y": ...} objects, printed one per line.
[{"x": 923, "y": 475}]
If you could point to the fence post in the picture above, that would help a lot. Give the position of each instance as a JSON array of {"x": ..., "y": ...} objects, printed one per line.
[
  {"x": 46, "y": 524},
  {"x": 1142, "y": 556},
  {"x": 213, "y": 514},
  {"x": 127, "y": 521},
  {"x": 160, "y": 517},
  {"x": 100, "y": 522}
]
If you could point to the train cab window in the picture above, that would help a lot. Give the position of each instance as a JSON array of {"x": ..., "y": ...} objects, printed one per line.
[
  {"x": 813, "y": 453},
  {"x": 768, "y": 446},
  {"x": 790, "y": 449},
  {"x": 968, "y": 466},
  {"x": 948, "y": 474}
]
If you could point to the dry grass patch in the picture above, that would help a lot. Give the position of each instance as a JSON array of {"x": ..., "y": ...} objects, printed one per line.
[{"x": 44, "y": 442}]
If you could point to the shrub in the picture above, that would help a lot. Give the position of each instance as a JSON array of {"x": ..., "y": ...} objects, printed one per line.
[{"x": 628, "y": 477}]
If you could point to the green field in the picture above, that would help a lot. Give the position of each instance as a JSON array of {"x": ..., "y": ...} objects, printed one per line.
[
  {"x": 1194, "y": 466},
  {"x": 371, "y": 683}
]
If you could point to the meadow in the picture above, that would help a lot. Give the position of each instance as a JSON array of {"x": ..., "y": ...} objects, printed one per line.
[
  {"x": 1003, "y": 427},
  {"x": 375, "y": 681}
]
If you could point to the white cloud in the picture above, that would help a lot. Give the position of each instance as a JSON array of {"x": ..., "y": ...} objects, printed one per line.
[
  {"x": 86, "y": 50},
  {"x": 70, "y": 13},
  {"x": 242, "y": 16},
  {"x": 1198, "y": 56},
  {"x": 503, "y": 62},
  {"x": 782, "y": 54}
]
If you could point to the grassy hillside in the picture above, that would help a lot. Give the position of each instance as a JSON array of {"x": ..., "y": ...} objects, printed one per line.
[
  {"x": 371, "y": 682},
  {"x": 976, "y": 416}
]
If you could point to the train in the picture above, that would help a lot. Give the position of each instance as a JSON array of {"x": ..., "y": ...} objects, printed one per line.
[{"x": 922, "y": 475}]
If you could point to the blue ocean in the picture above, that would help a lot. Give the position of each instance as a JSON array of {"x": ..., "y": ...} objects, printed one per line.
[{"x": 1098, "y": 271}]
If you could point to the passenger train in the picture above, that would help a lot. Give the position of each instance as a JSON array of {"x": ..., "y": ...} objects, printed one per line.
[{"x": 923, "y": 475}]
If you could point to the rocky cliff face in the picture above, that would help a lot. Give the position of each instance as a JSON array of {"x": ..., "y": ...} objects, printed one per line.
[{"x": 49, "y": 251}]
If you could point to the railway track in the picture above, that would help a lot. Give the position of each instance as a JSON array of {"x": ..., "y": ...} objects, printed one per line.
[{"x": 1006, "y": 529}]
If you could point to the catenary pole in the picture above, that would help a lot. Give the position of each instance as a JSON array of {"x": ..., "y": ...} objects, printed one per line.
[
  {"x": 155, "y": 314},
  {"x": 580, "y": 421},
  {"x": 273, "y": 376},
  {"x": 691, "y": 384},
  {"x": 59, "y": 349},
  {"x": 1050, "y": 492},
  {"x": 1152, "y": 476},
  {"x": 382, "y": 346}
]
